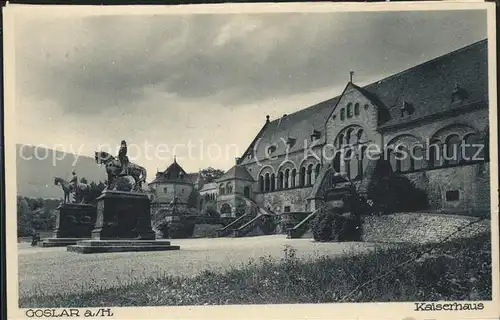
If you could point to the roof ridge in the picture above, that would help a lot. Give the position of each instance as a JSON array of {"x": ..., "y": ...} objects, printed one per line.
[
  {"x": 433, "y": 60},
  {"x": 390, "y": 77}
]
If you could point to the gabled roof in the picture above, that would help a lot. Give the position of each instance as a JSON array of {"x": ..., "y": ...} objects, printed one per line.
[
  {"x": 236, "y": 173},
  {"x": 298, "y": 126},
  {"x": 174, "y": 172},
  {"x": 427, "y": 87}
]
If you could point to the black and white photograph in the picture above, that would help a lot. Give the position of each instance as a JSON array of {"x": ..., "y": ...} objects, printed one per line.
[{"x": 319, "y": 160}]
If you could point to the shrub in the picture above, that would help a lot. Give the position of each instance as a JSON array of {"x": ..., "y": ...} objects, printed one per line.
[
  {"x": 180, "y": 229},
  {"x": 341, "y": 224}
]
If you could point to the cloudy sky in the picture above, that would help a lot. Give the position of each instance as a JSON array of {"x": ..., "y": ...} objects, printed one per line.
[{"x": 174, "y": 80}]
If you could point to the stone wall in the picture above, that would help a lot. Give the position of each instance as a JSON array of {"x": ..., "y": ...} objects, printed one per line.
[
  {"x": 419, "y": 227},
  {"x": 165, "y": 192},
  {"x": 296, "y": 199},
  {"x": 472, "y": 182}
]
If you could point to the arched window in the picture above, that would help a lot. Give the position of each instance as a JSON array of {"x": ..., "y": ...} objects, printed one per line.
[
  {"x": 229, "y": 188},
  {"x": 280, "y": 180},
  {"x": 347, "y": 137},
  {"x": 261, "y": 184},
  {"x": 309, "y": 174},
  {"x": 273, "y": 182},
  {"x": 341, "y": 141},
  {"x": 472, "y": 151},
  {"x": 302, "y": 177},
  {"x": 221, "y": 189},
  {"x": 207, "y": 197},
  {"x": 342, "y": 114},
  {"x": 391, "y": 154},
  {"x": 356, "y": 109},
  {"x": 292, "y": 182},
  {"x": 287, "y": 178},
  {"x": 336, "y": 163},
  {"x": 347, "y": 160},
  {"x": 435, "y": 154},
  {"x": 316, "y": 172},
  {"x": 418, "y": 156},
  {"x": 201, "y": 204},
  {"x": 359, "y": 135},
  {"x": 407, "y": 159},
  {"x": 349, "y": 110},
  {"x": 267, "y": 183},
  {"x": 362, "y": 161},
  {"x": 246, "y": 192},
  {"x": 452, "y": 152}
]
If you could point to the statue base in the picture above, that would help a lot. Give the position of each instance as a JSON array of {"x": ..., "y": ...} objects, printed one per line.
[
  {"x": 103, "y": 246},
  {"x": 58, "y": 242},
  {"x": 123, "y": 215},
  {"x": 74, "y": 220}
]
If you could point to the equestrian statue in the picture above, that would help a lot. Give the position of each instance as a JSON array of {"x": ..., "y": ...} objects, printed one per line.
[
  {"x": 120, "y": 167},
  {"x": 78, "y": 189}
]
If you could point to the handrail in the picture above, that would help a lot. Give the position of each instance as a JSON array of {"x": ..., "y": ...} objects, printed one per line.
[{"x": 300, "y": 228}]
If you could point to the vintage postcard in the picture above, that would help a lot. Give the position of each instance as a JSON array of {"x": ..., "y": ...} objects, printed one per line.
[{"x": 276, "y": 161}]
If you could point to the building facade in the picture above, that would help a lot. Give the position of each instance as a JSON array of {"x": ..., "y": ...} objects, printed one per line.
[{"x": 437, "y": 112}]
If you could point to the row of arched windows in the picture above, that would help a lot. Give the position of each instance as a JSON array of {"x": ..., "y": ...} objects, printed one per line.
[
  {"x": 454, "y": 150},
  {"x": 349, "y": 110},
  {"x": 287, "y": 178},
  {"x": 351, "y": 165},
  {"x": 210, "y": 196},
  {"x": 225, "y": 188},
  {"x": 350, "y": 137}
]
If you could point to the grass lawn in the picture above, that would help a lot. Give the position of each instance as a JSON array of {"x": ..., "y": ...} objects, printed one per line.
[{"x": 457, "y": 270}]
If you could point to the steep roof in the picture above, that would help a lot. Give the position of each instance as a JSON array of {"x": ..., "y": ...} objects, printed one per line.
[
  {"x": 174, "y": 172},
  {"x": 236, "y": 173},
  {"x": 298, "y": 126},
  {"x": 427, "y": 88}
]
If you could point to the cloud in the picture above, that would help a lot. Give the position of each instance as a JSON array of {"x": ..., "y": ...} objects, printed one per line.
[
  {"x": 99, "y": 62},
  {"x": 174, "y": 78}
]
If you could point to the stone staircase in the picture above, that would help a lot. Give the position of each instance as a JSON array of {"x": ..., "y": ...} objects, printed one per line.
[
  {"x": 302, "y": 227},
  {"x": 259, "y": 220}
]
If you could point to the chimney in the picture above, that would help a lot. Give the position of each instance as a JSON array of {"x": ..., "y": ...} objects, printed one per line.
[
  {"x": 267, "y": 119},
  {"x": 237, "y": 160}
]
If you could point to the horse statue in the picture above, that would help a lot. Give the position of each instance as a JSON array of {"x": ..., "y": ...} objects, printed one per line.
[
  {"x": 114, "y": 170},
  {"x": 69, "y": 188}
]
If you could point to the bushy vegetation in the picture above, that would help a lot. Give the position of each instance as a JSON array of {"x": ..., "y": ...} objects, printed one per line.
[
  {"x": 342, "y": 222},
  {"x": 457, "y": 270},
  {"x": 180, "y": 228}
]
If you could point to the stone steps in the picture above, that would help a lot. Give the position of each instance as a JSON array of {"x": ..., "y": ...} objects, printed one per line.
[{"x": 128, "y": 245}]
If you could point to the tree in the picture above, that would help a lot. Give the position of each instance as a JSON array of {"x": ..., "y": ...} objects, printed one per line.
[
  {"x": 210, "y": 174},
  {"x": 24, "y": 217}
]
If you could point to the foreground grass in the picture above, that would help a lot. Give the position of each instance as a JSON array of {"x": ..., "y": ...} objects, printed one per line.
[{"x": 458, "y": 270}]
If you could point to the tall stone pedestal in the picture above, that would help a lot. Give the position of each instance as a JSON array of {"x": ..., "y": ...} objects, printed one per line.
[
  {"x": 123, "y": 224},
  {"x": 123, "y": 215},
  {"x": 74, "y": 222}
]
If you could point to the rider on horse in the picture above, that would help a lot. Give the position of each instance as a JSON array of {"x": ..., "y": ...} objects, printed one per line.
[
  {"x": 122, "y": 156},
  {"x": 74, "y": 183}
]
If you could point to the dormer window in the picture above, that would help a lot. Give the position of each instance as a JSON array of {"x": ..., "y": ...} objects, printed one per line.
[
  {"x": 458, "y": 94},
  {"x": 290, "y": 142},
  {"x": 315, "y": 135},
  {"x": 406, "y": 109}
]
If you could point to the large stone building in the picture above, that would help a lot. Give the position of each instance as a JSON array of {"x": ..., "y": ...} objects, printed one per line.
[{"x": 428, "y": 110}]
